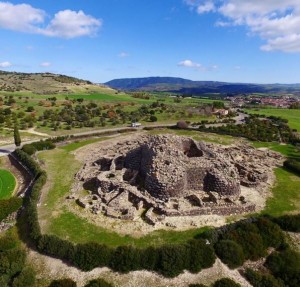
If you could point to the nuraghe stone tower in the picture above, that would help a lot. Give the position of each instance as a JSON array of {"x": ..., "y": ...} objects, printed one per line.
[{"x": 168, "y": 175}]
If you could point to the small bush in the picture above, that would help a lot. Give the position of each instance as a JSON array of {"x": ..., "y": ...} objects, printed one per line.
[
  {"x": 226, "y": 282},
  {"x": 63, "y": 283},
  {"x": 182, "y": 125},
  {"x": 98, "y": 283}
]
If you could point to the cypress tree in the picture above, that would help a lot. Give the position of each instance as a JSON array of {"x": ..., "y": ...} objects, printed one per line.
[{"x": 17, "y": 136}]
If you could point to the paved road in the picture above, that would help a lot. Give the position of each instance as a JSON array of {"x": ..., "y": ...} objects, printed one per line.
[{"x": 7, "y": 149}]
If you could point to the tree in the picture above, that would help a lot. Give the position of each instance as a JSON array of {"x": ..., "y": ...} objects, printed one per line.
[
  {"x": 153, "y": 118},
  {"x": 17, "y": 136}
]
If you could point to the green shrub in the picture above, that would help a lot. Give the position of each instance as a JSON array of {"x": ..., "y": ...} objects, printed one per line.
[
  {"x": 262, "y": 280},
  {"x": 201, "y": 255},
  {"x": 226, "y": 282},
  {"x": 63, "y": 283},
  {"x": 173, "y": 259},
  {"x": 29, "y": 149},
  {"x": 98, "y": 283},
  {"x": 125, "y": 259},
  {"x": 285, "y": 265},
  {"x": 230, "y": 253},
  {"x": 270, "y": 232},
  {"x": 8, "y": 206},
  {"x": 25, "y": 279},
  {"x": 247, "y": 235},
  {"x": 289, "y": 222}
]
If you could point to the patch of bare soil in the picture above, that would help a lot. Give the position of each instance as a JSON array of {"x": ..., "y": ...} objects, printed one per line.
[{"x": 50, "y": 269}]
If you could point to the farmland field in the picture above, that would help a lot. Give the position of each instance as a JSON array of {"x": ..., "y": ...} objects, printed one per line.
[
  {"x": 293, "y": 116},
  {"x": 7, "y": 184}
]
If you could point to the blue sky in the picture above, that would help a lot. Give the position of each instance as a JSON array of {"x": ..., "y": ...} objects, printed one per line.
[{"x": 219, "y": 40}]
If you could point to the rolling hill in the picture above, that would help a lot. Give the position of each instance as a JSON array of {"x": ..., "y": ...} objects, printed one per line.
[
  {"x": 184, "y": 86},
  {"x": 47, "y": 83}
]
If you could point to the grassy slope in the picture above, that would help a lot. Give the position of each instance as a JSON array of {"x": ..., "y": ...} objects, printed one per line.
[
  {"x": 7, "y": 184},
  {"x": 293, "y": 116},
  {"x": 286, "y": 192}
]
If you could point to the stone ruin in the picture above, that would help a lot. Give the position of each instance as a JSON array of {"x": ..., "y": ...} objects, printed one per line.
[{"x": 153, "y": 177}]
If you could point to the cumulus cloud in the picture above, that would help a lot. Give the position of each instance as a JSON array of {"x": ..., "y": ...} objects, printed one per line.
[
  {"x": 5, "y": 65},
  {"x": 197, "y": 66},
  {"x": 189, "y": 64},
  {"x": 65, "y": 24},
  {"x": 45, "y": 64},
  {"x": 275, "y": 21}
]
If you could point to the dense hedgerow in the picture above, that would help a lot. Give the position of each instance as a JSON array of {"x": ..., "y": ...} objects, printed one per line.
[
  {"x": 38, "y": 146},
  {"x": 28, "y": 162}
]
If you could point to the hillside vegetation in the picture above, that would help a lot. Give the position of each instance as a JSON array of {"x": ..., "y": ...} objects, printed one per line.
[{"x": 47, "y": 83}]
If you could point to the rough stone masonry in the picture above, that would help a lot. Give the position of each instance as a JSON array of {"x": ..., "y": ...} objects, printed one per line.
[{"x": 168, "y": 175}]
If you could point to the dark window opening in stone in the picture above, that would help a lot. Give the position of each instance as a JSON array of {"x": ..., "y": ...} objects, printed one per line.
[
  {"x": 193, "y": 151},
  {"x": 91, "y": 185},
  {"x": 119, "y": 162},
  {"x": 104, "y": 164}
]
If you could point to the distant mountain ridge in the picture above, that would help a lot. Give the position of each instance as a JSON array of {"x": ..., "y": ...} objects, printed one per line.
[{"x": 184, "y": 86}]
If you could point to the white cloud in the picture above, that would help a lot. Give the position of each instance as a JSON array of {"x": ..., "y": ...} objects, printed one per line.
[
  {"x": 65, "y": 24},
  {"x": 277, "y": 22},
  {"x": 206, "y": 7},
  {"x": 197, "y": 66},
  {"x": 189, "y": 64},
  {"x": 71, "y": 24},
  {"x": 123, "y": 55},
  {"x": 45, "y": 64},
  {"x": 21, "y": 17},
  {"x": 5, "y": 65}
]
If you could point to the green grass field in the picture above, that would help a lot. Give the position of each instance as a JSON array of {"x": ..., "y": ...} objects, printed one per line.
[
  {"x": 293, "y": 116},
  {"x": 286, "y": 192},
  {"x": 7, "y": 184}
]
